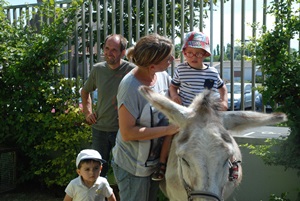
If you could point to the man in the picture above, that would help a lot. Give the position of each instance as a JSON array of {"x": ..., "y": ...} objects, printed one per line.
[{"x": 105, "y": 76}]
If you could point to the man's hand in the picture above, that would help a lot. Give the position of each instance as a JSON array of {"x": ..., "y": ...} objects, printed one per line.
[{"x": 91, "y": 118}]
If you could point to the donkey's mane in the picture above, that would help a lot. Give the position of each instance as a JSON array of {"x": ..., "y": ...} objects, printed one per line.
[
  {"x": 206, "y": 102},
  {"x": 206, "y": 106}
]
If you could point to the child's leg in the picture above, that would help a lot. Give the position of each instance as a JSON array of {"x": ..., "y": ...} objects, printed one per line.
[
  {"x": 165, "y": 149},
  {"x": 159, "y": 174}
]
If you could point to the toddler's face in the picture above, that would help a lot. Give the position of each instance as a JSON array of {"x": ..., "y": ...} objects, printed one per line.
[
  {"x": 194, "y": 56},
  {"x": 89, "y": 172}
]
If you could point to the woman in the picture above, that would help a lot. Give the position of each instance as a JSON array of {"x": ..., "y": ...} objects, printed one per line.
[{"x": 141, "y": 127}]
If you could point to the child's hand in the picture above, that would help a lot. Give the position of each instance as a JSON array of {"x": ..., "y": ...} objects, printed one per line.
[
  {"x": 176, "y": 99},
  {"x": 224, "y": 105}
]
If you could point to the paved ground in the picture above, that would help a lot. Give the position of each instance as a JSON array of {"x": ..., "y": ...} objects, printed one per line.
[{"x": 265, "y": 132}]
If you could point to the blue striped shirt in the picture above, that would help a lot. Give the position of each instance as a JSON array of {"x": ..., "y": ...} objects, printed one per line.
[{"x": 193, "y": 81}]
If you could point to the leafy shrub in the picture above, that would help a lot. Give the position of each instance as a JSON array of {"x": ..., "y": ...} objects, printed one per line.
[
  {"x": 39, "y": 108},
  {"x": 283, "y": 197},
  {"x": 280, "y": 65}
]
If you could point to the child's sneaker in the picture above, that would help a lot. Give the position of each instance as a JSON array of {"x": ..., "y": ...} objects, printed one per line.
[{"x": 159, "y": 174}]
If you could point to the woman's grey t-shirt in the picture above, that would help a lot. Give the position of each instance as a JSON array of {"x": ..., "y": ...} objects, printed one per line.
[{"x": 140, "y": 157}]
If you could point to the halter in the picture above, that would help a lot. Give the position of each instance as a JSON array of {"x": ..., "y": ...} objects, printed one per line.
[
  {"x": 233, "y": 170},
  {"x": 191, "y": 193}
]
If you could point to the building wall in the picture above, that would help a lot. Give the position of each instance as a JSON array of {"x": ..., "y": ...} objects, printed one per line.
[{"x": 237, "y": 70}]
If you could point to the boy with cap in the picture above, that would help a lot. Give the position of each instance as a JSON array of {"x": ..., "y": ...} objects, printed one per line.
[
  {"x": 89, "y": 185},
  {"x": 191, "y": 78}
]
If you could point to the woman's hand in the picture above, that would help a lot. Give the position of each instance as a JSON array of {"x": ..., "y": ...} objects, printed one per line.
[{"x": 172, "y": 129}]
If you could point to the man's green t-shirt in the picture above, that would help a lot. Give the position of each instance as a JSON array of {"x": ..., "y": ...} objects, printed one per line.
[{"x": 106, "y": 81}]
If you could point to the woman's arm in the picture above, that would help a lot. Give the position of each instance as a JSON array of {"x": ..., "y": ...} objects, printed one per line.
[{"x": 129, "y": 130}]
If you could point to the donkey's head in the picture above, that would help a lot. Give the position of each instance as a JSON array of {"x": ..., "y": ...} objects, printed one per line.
[{"x": 204, "y": 159}]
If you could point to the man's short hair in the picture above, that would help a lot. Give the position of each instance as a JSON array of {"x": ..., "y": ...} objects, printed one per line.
[{"x": 123, "y": 41}]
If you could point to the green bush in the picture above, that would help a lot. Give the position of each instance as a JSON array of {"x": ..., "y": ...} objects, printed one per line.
[
  {"x": 39, "y": 108},
  {"x": 283, "y": 197}
]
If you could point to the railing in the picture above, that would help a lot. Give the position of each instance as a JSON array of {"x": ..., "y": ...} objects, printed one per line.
[{"x": 224, "y": 22}]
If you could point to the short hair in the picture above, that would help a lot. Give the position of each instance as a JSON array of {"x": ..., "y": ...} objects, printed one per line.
[
  {"x": 88, "y": 161},
  {"x": 123, "y": 41},
  {"x": 150, "y": 49}
]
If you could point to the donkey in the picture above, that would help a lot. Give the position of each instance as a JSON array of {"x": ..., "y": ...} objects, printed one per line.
[{"x": 204, "y": 159}]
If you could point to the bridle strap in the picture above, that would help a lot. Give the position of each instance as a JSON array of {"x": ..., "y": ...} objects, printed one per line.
[
  {"x": 204, "y": 195},
  {"x": 233, "y": 169}
]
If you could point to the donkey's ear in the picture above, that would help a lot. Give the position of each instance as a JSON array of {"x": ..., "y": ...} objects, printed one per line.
[
  {"x": 175, "y": 112},
  {"x": 240, "y": 120}
]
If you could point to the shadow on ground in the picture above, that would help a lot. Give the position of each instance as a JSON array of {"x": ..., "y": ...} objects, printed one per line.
[{"x": 33, "y": 192}]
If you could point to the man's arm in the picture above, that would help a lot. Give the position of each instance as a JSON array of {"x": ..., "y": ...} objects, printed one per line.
[{"x": 87, "y": 107}]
